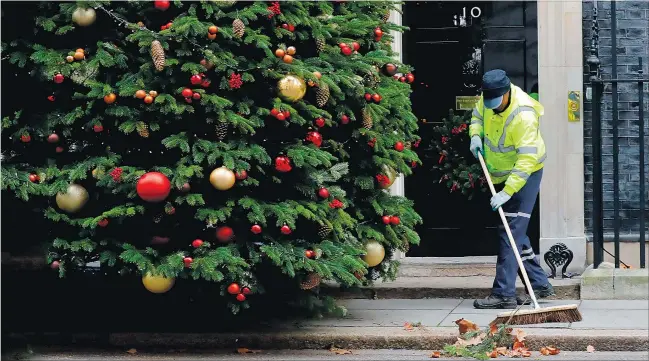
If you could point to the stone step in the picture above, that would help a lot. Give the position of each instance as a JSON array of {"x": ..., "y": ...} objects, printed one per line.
[
  {"x": 447, "y": 266},
  {"x": 441, "y": 287}
]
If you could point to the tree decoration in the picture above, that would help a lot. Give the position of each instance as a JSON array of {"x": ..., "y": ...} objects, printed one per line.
[
  {"x": 142, "y": 129},
  {"x": 312, "y": 280},
  {"x": 158, "y": 55},
  {"x": 283, "y": 164},
  {"x": 222, "y": 178},
  {"x": 291, "y": 88},
  {"x": 224, "y": 234},
  {"x": 34, "y": 178},
  {"x": 241, "y": 175},
  {"x": 197, "y": 243},
  {"x": 75, "y": 197},
  {"x": 315, "y": 138},
  {"x": 324, "y": 231},
  {"x": 387, "y": 177},
  {"x": 255, "y": 229},
  {"x": 187, "y": 261},
  {"x": 320, "y": 43},
  {"x": 53, "y": 138},
  {"x": 153, "y": 187},
  {"x": 162, "y": 4},
  {"x": 238, "y": 28},
  {"x": 116, "y": 174},
  {"x": 335, "y": 204},
  {"x": 367, "y": 119},
  {"x": 235, "y": 81},
  {"x": 157, "y": 283},
  {"x": 323, "y": 193},
  {"x": 390, "y": 69},
  {"x": 103, "y": 223},
  {"x": 84, "y": 16},
  {"x": 274, "y": 9},
  {"x": 374, "y": 253},
  {"x": 286, "y": 230},
  {"x": 221, "y": 130},
  {"x": 241, "y": 297},
  {"x": 322, "y": 95},
  {"x": 58, "y": 78}
]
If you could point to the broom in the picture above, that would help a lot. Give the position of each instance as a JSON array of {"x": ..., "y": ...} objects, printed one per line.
[{"x": 567, "y": 313}]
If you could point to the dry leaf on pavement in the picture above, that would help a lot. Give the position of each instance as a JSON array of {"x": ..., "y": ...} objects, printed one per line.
[
  {"x": 470, "y": 342},
  {"x": 243, "y": 350},
  {"x": 519, "y": 335},
  {"x": 435, "y": 354},
  {"x": 408, "y": 326},
  {"x": 132, "y": 351},
  {"x": 493, "y": 329},
  {"x": 493, "y": 354},
  {"x": 590, "y": 348},
  {"x": 502, "y": 351},
  {"x": 517, "y": 345},
  {"x": 520, "y": 352},
  {"x": 466, "y": 326},
  {"x": 339, "y": 351},
  {"x": 553, "y": 350}
]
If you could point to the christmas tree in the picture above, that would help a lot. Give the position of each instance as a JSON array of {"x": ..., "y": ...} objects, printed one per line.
[{"x": 244, "y": 145}]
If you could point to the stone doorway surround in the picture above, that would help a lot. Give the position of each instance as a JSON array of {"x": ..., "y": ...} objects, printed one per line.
[{"x": 560, "y": 62}]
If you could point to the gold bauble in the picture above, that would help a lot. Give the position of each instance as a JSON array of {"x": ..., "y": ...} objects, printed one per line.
[
  {"x": 374, "y": 253},
  {"x": 73, "y": 199},
  {"x": 390, "y": 173},
  {"x": 84, "y": 16},
  {"x": 157, "y": 284},
  {"x": 291, "y": 88},
  {"x": 222, "y": 178}
]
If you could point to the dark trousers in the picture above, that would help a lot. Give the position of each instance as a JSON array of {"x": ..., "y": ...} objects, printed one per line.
[{"x": 518, "y": 211}]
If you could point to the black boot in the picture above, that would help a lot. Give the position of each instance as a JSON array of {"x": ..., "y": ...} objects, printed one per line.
[
  {"x": 495, "y": 302},
  {"x": 542, "y": 292}
]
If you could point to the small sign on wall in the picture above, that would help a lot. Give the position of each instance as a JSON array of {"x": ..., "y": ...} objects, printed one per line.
[
  {"x": 466, "y": 102},
  {"x": 574, "y": 106}
]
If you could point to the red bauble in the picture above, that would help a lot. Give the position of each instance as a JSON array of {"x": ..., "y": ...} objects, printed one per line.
[
  {"x": 51, "y": 98},
  {"x": 59, "y": 149},
  {"x": 410, "y": 78},
  {"x": 241, "y": 297},
  {"x": 98, "y": 128},
  {"x": 280, "y": 116},
  {"x": 394, "y": 220},
  {"x": 315, "y": 138},
  {"x": 323, "y": 192},
  {"x": 256, "y": 229},
  {"x": 377, "y": 97},
  {"x": 197, "y": 243},
  {"x": 343, "y": 45},
  {"x": 398, "y": 146},
  {"x": 274, "y": 112},
  {"x": 356, "y": 46},
  {"x": 34, "y": 178},
  {"x": 344, "y": 119},
  {"x": 188, "y": 100},
  {"x": 53, "y": 138},
  {"x": 378, "y": 32},
  {"x": 368, "y": 97},
  {"x": 188, "y": 261},
  {"x": 25, "y": 138},
  {"x": 153, "y": 187},
  {"x": 320, "y": 122},
  {"x": 224, "y": 234},
  {"x": 285, "y": 26},
  {"x": 206, "y": 83},
  {"x": 185, "y": 187},
  {"x": 234, "y": 288},
  {"x": 283, "y": 164},
  {"x": 187, "y": 93},
  {"x": 161, "y": 4},
  {"x": 291, "y": 27},
  {"x": 286, "y": 229},
  {"x": 246, "y": 291},
  {"x": 196, "y": 79},
  {"x": 346, "y": 50},
  {"x": 55, "y": 265},
  {"x": 287, "y": 114},
  {"x": 241, "y": 175},
  {"x": 309, "y": 254},
  {"x": 402, "y": 79},
  {"x": 59, "y": 78},
  {"x": 196, "y": 96},
  {"x": 103, "y": 222},
  {"x": 386, "y": 219}
]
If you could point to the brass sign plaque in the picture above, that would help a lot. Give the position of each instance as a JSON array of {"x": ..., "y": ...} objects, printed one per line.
[
  {"x": 574, "y": 106},
  {"x": 466, "y": 102}
]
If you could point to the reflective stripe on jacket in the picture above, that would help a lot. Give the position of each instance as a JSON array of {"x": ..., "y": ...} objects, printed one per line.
[{"x": 513, "y": 146}]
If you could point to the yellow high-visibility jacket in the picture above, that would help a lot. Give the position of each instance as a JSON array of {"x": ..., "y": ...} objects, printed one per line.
[{"x": 513, "y": 146}]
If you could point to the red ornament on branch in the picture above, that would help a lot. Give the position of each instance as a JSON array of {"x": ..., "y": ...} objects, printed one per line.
[
  {"x": 161, "y": 4},
  {"x": 34, "y": 178},
  {"x": 383, "y": 180},
  {"x": 188, "y": 261},
  {"x": 224, "y": 234},
  {"x": 274, "y": 9},
  {"x": 153, "y": 187},
  {"x": 241, "y": 175},
  {"x": 256, "y": 229},
  {"x": 234, "y": 288},
  {"x": 197, "y": 243},
  {"x": 315, "y": 138},
  {"x": 25, "y": 138},
  {"x": 116, "y": 174},
  {"x": 283, "y": 164},
  {"x": 335, "y": 204},
  {"x": 323, "y": 192},
  {"x": 235, "y": 81},
  {"x": 385, "y": 219},
  {"x": 103, "y": 223},
  {"x": 286, "y": 230}
]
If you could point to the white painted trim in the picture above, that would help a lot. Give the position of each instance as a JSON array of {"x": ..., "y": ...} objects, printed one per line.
[{"x": 398, "y": 187}]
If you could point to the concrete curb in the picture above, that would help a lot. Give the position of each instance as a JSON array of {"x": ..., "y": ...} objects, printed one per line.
[{"x": 348, "y": 338}]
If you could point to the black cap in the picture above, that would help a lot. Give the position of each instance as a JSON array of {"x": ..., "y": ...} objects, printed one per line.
[{"x": 495, "y": 83}]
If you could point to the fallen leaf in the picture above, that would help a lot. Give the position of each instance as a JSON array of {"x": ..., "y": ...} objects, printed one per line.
[
  {"x": 340, "y": 351},
  {"x": 544, "y": 351},
  {"x": 502, "y": 351},
  {"x": 243, "y": 350},
  {"x": 517, "y": 345},
  {"x": 408, "y": 326},
  {"x": 519, "y": 335},
  {"x": 553, "y": 350},
  {"x": 470, "y": 342},
  {"x": 466, "y": 326},
  {"x": 590, "y": 348},
  {"x": 518, "y": 352},
  {"x": 435, "y": 354},
  {"x": 526, "y": 353},
  {"x": 493, "y": 354},
  {"x": 132, "y": 351}
]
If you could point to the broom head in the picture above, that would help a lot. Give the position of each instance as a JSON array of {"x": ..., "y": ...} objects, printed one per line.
[{"x": 562, "y": 314}]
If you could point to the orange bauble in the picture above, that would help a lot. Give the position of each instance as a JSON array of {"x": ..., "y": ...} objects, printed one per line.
[
  {"x": 79, "y": 55},
  {"x": 287, "y": 59},
  {"x": 148, "y": 99},
  {"x": 110, "y": 98},
  {"x": 140, "y": 94},
  {"x": 280, "y": 53}
]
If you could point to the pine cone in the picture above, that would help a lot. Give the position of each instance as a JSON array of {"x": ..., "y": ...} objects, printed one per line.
[
  {"x": 158, "y": 55},
  {"x": 386, "y": 17},
  {"x": 142, "y": 129},
  {"x": 312, "y": 280},
  {"x": 239, "y": 28},
  {"x": 320, "y": 43},
  {"x": 322, "y": 95},
  {"x": 221, "y": 130},
  {"x": 371, "y": 79},
  {"x": 324, "y": 231},
  {"x": 367, "y": 119}
]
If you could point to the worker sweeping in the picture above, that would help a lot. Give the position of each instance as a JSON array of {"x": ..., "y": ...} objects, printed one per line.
[{"x": 506, "y": 121}]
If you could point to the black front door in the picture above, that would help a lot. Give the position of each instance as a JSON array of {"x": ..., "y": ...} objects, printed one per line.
[{"x": 451, "y": 44}]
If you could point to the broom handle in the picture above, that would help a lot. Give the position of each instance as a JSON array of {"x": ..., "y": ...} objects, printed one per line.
[{"x": 509, "y": 235}]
